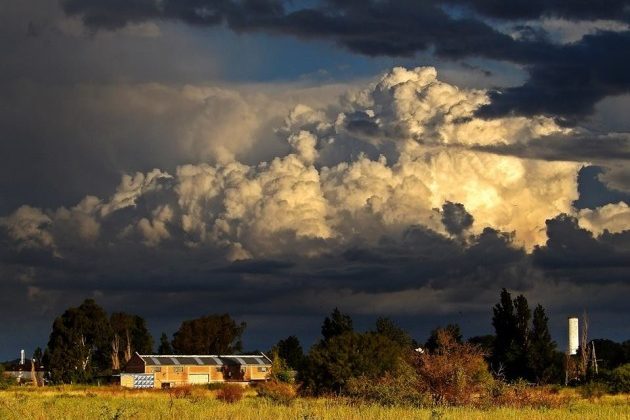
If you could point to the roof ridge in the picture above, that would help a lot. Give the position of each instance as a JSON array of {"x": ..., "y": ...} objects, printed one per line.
[{"x": 200, "y": 355}]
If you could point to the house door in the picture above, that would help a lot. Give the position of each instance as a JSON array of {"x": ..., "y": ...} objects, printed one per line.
[{"x": 198, "y": 379}]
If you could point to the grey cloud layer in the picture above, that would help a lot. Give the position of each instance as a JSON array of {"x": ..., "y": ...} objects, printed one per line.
[{"x": 564, "y": 80}]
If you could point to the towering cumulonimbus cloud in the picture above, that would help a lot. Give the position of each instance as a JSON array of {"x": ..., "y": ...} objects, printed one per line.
[{"x": 416, "y": 161}]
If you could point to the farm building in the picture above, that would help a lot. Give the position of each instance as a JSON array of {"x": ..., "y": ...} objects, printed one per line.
[{"x": 162, "y": 371}]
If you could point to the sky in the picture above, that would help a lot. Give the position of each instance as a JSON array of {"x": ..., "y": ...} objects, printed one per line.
[{"x": 276, "y": 159}]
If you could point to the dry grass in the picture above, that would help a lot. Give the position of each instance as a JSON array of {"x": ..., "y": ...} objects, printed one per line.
[{"x": 74, "y": 402}]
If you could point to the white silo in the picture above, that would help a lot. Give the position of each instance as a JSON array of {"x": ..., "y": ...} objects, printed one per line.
[{"x": 574, "y": 336}]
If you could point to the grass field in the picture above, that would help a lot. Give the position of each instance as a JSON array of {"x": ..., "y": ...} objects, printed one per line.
[{"x": 69, "y": 402}]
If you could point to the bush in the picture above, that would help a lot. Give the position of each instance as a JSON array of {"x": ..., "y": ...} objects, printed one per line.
[
  {"x": 182, "y": 391},
  {"x": 594, "y": 390},
  {"x": 620, "y": 378},
  {"x": 5, "y": 380},
  {"x": 399, "y": 388},
  {"x": 454, "y": 373},
  {"x": 230, "y": 393},
  {"x": 521, "y": 394},
  {"x": 278, "y": 392}
]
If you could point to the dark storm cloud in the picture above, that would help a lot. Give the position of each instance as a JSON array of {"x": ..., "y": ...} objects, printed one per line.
[
  {"x": 572, "y": 80},
  {"x": 573, "y": 248},
  {"x": 564, "y": 80},
  {"x": 455, "y": 218},
  {"x": 533, "y": 9},
  {"x": 578, "y": 147}
]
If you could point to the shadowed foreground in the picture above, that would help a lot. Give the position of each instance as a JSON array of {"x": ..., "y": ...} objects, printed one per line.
[{"x": 114, "y": 403}]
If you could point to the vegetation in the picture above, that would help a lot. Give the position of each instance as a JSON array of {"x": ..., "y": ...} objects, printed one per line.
[
  {"x": 79, "y": 345},
  {"x": 522, "y": 350},
  {"x": 5, "y": 380},
  {"x": 382, "y": 372},
  {"x": 454, "y": 373},
  {"x": 212, "y": 334},
  {"x": 230, "y": 393},
  {"x": 130, "y": 335},
  {"x": 291, "y": 352},
  {"x": 74, "y": 402},
  {"x": 278, "y": 392}
]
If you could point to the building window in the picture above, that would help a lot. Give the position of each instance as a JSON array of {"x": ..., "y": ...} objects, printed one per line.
[
  {"x": 262, "y": 369},
  {"x": 178, "y": 369},
  {"x": 156, "y": 369}
]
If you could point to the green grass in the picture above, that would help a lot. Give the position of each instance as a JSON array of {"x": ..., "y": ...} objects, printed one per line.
[{"x": 114, "y": 403}]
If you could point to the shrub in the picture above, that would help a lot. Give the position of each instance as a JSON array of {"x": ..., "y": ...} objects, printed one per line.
[
  {"x": 620, "y": 378},
  {"x": 455, "y": 373},
  {"x": 278, "y": 392},
  {"x": 230, "y": 393},
  {"x": 399, "y": 388},
  {"x": 520, "y": 395},
  {"x": 5, "y": 380},
  {"x": 183, "y": 391},
  {"x": 593, "y": 390},
  {"x": 214, "y": 386}
]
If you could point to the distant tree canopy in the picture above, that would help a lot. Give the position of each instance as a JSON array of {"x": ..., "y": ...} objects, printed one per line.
[
  {"x": 611, "y": 354},
  {"x": 212, "y": 334},
  {"x": 165, "y": 345},
  {"x": 130, "y": 335},
  {"x": 290, "y": 350},
  {"x": 79, "y": 344},
  {"x": 452, "y": 330},
  {"x": 336, "y": 324},
  {"x": 388, "y": 328},
  {"x": 85, "y": 342},
  {"x": 343, "y": 354},
  {"x": 521, "y": 349}
]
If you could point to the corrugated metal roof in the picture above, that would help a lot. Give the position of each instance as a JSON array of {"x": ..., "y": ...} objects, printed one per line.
[{"x": 205, "y": 360}]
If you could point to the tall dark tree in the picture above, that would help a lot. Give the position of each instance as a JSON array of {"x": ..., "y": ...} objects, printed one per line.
[
  {"x": 386, "y": 327},
  {"x": 165, "y": 345},
  {"x": 506, "y": 349},
  {"x": 521, "y": 349},
  {"x": 453, "y": 330},
  {"x": 79, "y": 344},
  {"x": 130, "y": 335},
  {"x": 290, "y": 350},
  {"x": 212, "y": 334},
  {"x": 336, "y": 324},
  {"x": 541, "y": 353}
]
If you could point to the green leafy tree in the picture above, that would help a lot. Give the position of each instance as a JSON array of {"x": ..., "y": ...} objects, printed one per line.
[
  {"x": 165, "y": 345},
  {"x": 79, "y": 344},
  {"x": 130, "y": 335},
  {"x": 332, "y": 363},
  {"x": 386, "y": 327},
  {"x": 290, "y": 350},
  {"x": 336, "y": 324},
  {"x": 212, "y": 334},
  {"x": 453, "y": 330}
]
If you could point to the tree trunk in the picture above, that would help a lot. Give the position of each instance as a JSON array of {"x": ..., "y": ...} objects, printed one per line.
[
  {"x": 128, "y": 348},
  {"x": 115, "y": 349}
]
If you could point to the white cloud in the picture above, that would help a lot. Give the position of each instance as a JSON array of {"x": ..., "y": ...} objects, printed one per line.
[{"x": 292, "y": 204}]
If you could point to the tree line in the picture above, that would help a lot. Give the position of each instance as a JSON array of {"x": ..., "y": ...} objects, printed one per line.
[{"x": 86, "y": 343}]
